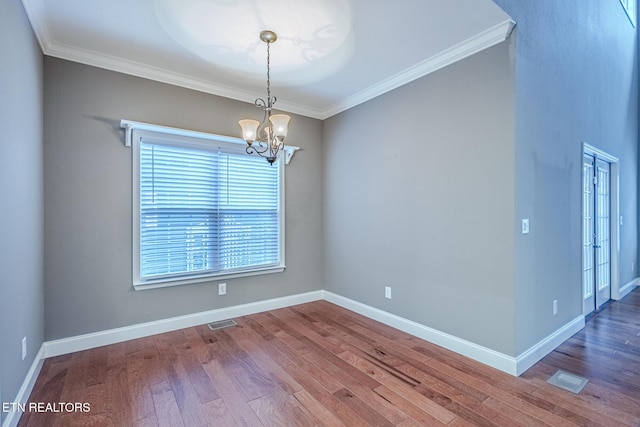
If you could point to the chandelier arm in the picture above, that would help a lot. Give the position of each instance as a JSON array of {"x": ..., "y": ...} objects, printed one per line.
[
  {"x": 262, "y": 147},
  {"x": 277, "y": 147},
  {"x": 251, "y": 149},
  {"x": 264, "y": 127},
  {"x": 268, "y": 153}
]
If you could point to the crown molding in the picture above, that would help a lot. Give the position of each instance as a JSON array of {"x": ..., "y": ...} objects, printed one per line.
[
  {"x": 149, "y": 72},
  {"x": 35, "y": 10},
  {"x": 475, "y": 44},
  {"x": 173, "y": 78}
]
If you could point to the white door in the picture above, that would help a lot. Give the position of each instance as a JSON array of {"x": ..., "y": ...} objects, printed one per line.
[{"x": 596, "y": 233}]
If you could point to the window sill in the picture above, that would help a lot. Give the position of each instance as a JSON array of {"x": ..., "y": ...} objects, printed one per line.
[{"x": 165, "y": 282}]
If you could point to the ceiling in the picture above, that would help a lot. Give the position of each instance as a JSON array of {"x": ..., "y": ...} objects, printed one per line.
[{"x": 330, "y": 55}]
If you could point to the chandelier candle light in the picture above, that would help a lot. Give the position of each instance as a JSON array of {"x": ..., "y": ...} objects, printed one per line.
[{"x": 268, "y": 135}]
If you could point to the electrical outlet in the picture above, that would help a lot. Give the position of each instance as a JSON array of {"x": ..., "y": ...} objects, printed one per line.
[
  {"x": 222, "y": 288},
  {"x": 387, "y": 292},
  {"x": 555, "y": 307},
  {"x": 525, "y": 226},
  {"x": 24, "y": 348}
]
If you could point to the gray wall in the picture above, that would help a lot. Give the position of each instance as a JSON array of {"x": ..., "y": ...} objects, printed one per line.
[
  {"x": 419, "y": 195},
  {"x": 21, "y": 228},
  {"x": 576, "y": 79},
  {"x": 437, "y": 216},
  {"x": 429, "y": 205},
  {"x": 87, "y": 173}
]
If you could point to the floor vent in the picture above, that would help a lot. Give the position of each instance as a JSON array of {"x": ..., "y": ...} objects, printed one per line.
[
  {"x": 567, "y": 381},
  {"x": 222, "y": 324}
]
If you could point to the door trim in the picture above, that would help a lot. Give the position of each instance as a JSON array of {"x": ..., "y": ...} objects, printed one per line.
[{"x": 614, "y": 212}]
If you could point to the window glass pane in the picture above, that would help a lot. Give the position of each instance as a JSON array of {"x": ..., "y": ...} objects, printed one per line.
[
  {"x": 204, "y": 211},
  {"x": 249, "y": 213}
]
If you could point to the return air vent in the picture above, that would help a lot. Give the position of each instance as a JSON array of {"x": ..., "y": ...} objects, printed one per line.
[
  {"x": 567, "y": 381},
  {"x": 222, "y": 324}
]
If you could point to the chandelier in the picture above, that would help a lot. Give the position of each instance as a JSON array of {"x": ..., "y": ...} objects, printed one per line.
[{"x": 267, "y": 138}]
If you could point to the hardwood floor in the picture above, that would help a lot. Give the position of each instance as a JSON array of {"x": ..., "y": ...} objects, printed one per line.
[{"x": 318, "y": 364}]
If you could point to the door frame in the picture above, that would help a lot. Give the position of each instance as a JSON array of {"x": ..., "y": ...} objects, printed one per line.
[{"x": 614, "y": 201}]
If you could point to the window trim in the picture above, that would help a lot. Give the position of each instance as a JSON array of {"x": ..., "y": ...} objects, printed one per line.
[
  {"x": 129, "y": 126},
  {"x": 629, "y": 7},
  {"x": 135, "y": 132}
]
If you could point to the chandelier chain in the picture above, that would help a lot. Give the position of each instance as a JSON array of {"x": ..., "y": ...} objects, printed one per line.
[{"x": 269, "y": 75}]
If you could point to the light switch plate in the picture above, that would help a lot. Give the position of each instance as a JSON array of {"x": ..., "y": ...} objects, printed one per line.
[{"x": 525, "y": 226}]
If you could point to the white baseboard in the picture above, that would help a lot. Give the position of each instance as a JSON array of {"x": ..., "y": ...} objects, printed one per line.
[
  {"x": 503, "y": 362},
  {"x": 25, "y": 390},
  {"x": 474, "y": 351},
  {"x": 112, "y": 336},
  {"x": 547, "y": 345},
  {"x": 626, "y": 289},
  {"x": 511, "y": 365}
]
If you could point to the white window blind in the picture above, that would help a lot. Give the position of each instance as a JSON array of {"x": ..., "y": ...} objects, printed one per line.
[{"x": 204, "y": 210}]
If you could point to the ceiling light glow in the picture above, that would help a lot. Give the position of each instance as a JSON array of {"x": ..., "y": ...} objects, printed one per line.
[{"x": 315, "y": 37}]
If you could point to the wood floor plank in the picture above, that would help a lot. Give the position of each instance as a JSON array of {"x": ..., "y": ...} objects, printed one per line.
[
  {"x": 373, "y": 328},
  {"x": 197, "y": 346},
  {"x": 317, "y": 364},
  {"x": 254, "y": 345},
  {"x": 218, "y": 413},
  {"x": 200, "y": 382},
  {"x": 402, "y": 387},
  {"x": 366, "y": 412},
  {"x": 594, "y": 395},
  {"x": 118, "y": 405},
  {"x": 186, "y": 397},
  {"x": 230, "y": 394},
  {"x": 517, "y": 416},
  {"x": 617, "y": 379},
  {"x": 387, "y": 410},
  {"x": 280, "y": 409},
  {"x": 98, "y": 366},
  {"x": 321, "y": 415},
  {"x": 325, "y": 398},
  {"x": 605, "y": 416},
  {"x": 554, "y": 407},
  {"x": 166, "y": 407},
  {"x": 407, "y": 405},
  {"x": 278, "y": 350},
  {"x": 50, "y": 391},
  {"x": 507, "y": 394},
  {"x": 460, "y": 398},
  {"x": 141, "y": 399},
  {"x": 289, "y": 347}
]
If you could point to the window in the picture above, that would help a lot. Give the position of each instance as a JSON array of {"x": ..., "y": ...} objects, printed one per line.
[
  {"x": 203, "y": 209},
  {"x": 630, "y": 8}
]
